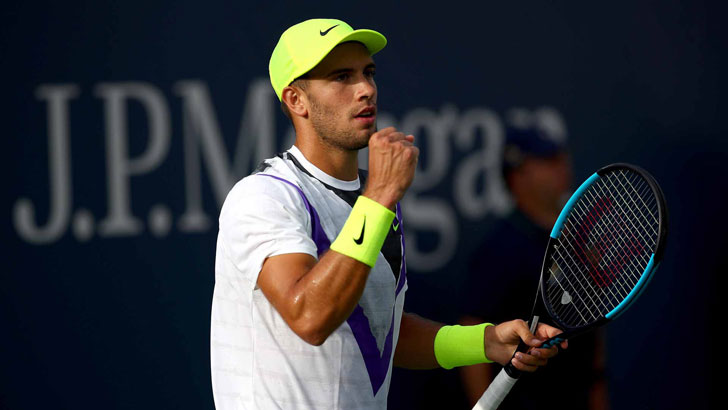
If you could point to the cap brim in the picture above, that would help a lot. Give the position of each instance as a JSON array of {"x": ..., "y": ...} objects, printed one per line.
[{"x": 372, "y": 40}]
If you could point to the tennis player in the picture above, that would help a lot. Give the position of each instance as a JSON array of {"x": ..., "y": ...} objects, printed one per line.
[{"x": 310, "y": 271}]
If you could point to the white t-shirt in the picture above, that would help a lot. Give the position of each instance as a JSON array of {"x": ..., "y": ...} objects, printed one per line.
[{"x": 257, "y": 361}]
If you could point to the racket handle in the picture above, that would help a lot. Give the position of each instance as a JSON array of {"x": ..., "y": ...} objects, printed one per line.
[
  {"x": 496, "y": 392},
  {"x": 509, "y": 368}
]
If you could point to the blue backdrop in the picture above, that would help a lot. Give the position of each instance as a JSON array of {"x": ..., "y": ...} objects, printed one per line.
[{"x": 125, "y": 123}]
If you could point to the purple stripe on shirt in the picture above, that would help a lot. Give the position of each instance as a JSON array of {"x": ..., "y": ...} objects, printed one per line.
[
  {"x": 317, "y": 231},
  {"x": 377, "y": 364}
]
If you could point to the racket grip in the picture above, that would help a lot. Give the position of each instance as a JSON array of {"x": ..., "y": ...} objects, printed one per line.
[
  {"x": 509, "y": 368},
  {"x": 554, "y": 341},
  {"x": 496, "y": 392}
]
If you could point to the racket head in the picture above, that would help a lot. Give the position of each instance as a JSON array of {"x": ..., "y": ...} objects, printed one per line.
[{"x": 604, "y": 248}]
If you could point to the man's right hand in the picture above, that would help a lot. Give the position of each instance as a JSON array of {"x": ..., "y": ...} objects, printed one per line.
[{"x": 392, "y": 163}]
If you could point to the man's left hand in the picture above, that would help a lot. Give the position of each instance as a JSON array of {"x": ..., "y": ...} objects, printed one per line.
[{"x": 501, "y": 341}]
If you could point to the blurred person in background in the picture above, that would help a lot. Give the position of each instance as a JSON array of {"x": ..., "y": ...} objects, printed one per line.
[{"x": 505, "y": 268}]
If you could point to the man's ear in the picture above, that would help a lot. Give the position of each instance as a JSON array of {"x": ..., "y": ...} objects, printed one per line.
[{"x": 295, "y": 100}]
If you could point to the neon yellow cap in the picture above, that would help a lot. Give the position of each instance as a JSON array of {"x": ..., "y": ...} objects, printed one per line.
[{"x": 304, "y": 45}]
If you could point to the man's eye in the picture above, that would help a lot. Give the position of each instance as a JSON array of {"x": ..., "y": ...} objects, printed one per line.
[
  {"x": 342, "y": 77},
  {"x": 371, "y": 73}
]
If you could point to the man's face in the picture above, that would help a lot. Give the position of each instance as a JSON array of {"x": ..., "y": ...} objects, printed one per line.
[
  {"x": 342, "y": 97},
  {"x": 548, "y": 179}
]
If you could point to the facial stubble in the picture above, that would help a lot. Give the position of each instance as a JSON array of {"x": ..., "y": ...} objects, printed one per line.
[{"x": 323, "y": 120}]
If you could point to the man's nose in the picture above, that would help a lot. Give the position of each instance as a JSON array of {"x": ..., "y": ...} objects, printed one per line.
[{"x": 366, "y": 89}]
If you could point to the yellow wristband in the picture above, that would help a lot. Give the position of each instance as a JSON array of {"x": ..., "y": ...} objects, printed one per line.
[
  {"x": 457, "y": 345},
  {"x": 364, "y": 231}
]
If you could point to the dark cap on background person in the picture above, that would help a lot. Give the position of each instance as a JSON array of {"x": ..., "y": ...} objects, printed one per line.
[{"x": 522, "y": 143}]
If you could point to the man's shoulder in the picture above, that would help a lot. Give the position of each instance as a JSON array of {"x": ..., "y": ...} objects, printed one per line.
[
  {"x": 269, "y": 177},
  {"x": 273, "y": 182}
]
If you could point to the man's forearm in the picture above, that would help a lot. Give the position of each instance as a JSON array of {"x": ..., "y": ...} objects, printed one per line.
[
  {"x": 462, "y": 346},
  {"x": 416, "y": 345},
  {"x": 475, "y": 379}
]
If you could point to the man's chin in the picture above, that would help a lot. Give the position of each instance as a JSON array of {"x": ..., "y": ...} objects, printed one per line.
[
  {"x": 371, "y": 130},
  {"x": 368, "y": 136},
  {"x": 359, "y": 145}
]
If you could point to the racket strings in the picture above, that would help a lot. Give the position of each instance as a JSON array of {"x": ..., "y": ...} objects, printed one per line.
[
  {"x": 619, "y": 230},
  {"x": 590, "y": 305},
  {"x": 643, "y": 191},
  {"x": 564, "y": 275},
  {"x": 604, "y": 248},
  {"x": 637, "y": 207},
  {"x": 592, "y": 302},
  {"x": 573, "y": 275},
  {"x": 647, "y": 234},
  {"x": 581, "y": 261},
  {"x": 581, "y": 312},
  {"x": 598, "y": 226},
  {"x": 616, "y": 292}
]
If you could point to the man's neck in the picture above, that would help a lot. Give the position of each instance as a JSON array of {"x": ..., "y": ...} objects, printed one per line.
[
  {"x": 538, "y": 214},
  {"x": 340, "y": 164}
]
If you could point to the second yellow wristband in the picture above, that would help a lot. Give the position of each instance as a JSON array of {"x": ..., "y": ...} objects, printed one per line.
[{"x": 461, "y": 345}]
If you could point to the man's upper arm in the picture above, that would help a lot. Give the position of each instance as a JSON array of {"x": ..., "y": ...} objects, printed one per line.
[
  {"x": 262, "y": 218},
  {"x": 279, "y": 276}
]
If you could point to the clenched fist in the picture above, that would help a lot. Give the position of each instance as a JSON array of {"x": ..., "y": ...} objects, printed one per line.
[{"x": 392, "y": 162}]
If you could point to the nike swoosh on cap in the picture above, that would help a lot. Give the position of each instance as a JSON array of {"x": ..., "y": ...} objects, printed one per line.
[{"x": 323, "y": 33}]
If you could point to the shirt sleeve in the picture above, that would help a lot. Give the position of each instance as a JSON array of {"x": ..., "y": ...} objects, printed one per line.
[{"x": 263, "y": 217}]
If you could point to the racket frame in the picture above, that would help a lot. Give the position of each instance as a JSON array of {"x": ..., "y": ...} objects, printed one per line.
[
  {"x": 506, "y": 379},
  {"x": 541, "y": 308}
]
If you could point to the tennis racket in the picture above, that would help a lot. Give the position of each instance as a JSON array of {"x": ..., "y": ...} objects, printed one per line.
[{"x": 602, "y": 252}]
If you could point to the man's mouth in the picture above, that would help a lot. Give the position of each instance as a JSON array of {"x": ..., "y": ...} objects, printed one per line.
[
  {"x": 367, "y": 113},
  {"x": 367, "y": 116}
]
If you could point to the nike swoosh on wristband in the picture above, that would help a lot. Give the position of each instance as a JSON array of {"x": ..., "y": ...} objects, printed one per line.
[
  {"x": 323, "y": 33},
  {"x": 361, "y": 237}
]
